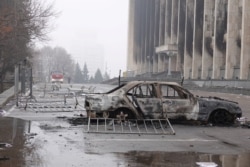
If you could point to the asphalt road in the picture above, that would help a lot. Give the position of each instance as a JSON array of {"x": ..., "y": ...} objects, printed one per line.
[{"x": 46, "y": 139}]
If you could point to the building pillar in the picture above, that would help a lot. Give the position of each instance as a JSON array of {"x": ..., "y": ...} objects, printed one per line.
[
  {"x": 155, "y": 63},
  {"x": 197, "y": 38},
  {"x": 143, "y": 36},
  {"x": 169, "y": 65},
  {"x": 161, "y": 62},
  {"x": 181, "y": 35},
  {"x": 245, "y": 41},
  {"x": 131, "y": 57},
  {"x": 208, "y": 31},
  {"x": 232, "y": 50},
  {"x": 146, "y": 55},
  {"x": 151, "y": 48},
  {"x": 168, "y": 16},
  {"x": 162, "y": 22},
  {"x": 138, "y": 33},
  {"x": 188, "y": 52},
  {"x": 161, "y": 33},
  {"x": 174, "y": 28},
  {"x": 174, "y": 22},
  {"x": 220, "y": 28},
  {"x": 156, "y": 34}
]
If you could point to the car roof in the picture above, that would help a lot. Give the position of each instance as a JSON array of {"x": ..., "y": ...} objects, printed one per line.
[
  {"x": 152, "y": 82},
  {"x": 130, "y": 84}
]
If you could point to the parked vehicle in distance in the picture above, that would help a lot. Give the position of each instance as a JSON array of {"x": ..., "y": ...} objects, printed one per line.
[
  {"x": 56, "y": 77},
  {"x": 157, "y": 100}
]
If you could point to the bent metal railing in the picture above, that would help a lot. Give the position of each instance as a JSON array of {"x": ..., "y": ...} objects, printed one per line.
[{"x": 130, "y": 126}]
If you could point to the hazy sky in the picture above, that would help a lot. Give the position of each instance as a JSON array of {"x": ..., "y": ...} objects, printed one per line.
[{"x": 103, "y": 23}]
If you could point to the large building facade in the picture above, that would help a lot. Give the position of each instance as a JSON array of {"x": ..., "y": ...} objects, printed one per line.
[{"x": 201, "y": 39}]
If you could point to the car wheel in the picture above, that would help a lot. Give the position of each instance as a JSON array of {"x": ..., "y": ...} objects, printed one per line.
[
  {"x": 222, "y": 117},
  {"x": 105, "y": 114},
  {"x": 127, "y": 112}
]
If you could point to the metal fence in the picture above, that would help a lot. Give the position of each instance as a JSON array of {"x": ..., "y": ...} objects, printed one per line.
[{"x": 131, "y": 126}]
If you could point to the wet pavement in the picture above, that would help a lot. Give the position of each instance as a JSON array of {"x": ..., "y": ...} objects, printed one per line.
[
  {"x": 58, "y": 143},
  {"x": 42, "y": 139}
]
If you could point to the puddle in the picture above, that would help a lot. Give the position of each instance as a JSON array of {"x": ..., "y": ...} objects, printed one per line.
[
  {"x": 58, "y": 143},
  {"x": 182, "y": 159}
]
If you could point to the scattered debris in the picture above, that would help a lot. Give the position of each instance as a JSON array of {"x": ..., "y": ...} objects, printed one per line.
[
  {"x": 2, "y": 112},
  {"x": 246, "y": 125},
  {"x": 4, "y": 158},
  {"x": 206, "y": 164},
  {"x": 5, "y": 145},
  {"x": 243, "y": 122}
]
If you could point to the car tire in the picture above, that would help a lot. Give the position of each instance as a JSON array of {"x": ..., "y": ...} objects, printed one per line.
[
  {"x": 105, "y": 114},
  {"x": 130, "y": 114},
  {"x": 221, "y": 117}
]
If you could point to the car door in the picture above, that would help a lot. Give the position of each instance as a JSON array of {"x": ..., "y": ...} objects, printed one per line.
[
  {"x": 145, "y": 97},
  {"x": 177, "y": 103}
]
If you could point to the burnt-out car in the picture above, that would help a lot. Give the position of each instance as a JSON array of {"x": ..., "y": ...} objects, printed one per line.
[{"x": 157, "y": 100}]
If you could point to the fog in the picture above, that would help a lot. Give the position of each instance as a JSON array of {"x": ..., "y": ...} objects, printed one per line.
[{"x": 93, "y": 30}]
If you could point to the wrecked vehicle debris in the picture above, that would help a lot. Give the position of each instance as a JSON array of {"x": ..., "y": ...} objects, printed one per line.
[{"x": 157, "y": 100}]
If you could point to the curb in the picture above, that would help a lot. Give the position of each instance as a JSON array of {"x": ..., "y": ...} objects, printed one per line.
[{"x": 6, "y": 96}]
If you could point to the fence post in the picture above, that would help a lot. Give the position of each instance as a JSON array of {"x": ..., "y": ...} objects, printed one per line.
[{"x": 16, "y": 90}]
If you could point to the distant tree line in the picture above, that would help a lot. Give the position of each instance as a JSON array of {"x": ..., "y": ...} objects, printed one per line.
[
  {"x": 82, "y": 76},
  {"x": 50, "y": 59}
]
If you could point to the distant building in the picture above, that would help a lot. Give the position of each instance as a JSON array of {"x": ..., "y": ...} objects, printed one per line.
[{"x": 202, "y": 39}]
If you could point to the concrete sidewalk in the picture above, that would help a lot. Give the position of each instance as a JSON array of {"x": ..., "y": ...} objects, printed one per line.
[{"x": 6, "y": 96}]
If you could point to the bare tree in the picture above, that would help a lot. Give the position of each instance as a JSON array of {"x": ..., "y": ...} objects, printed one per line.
[
  {"x": 21, "y": 23},
  {"x": 52, "y": 59}
]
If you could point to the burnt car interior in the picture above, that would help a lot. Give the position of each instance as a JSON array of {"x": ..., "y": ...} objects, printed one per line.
[
  {"x": 144, "y": 91},
  {"x": 172, "y": 92}
]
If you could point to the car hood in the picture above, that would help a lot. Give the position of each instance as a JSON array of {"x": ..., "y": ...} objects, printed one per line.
[{"x": 210, "y": 98}]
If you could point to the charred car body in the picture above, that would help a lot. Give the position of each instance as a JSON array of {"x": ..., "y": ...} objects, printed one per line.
[{"x": 157, "y": 100}]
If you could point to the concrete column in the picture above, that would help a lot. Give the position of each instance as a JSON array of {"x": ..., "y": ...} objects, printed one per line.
[
  {"x": 198, "y": 37},
  {"x": 174, "y": 28},
  {"x": 174, "y": 22},
  {"x": 165, "y": 62},
  {"x": 229, "y": 161},
  {"x": 161, "y": 62},
  {"x": 143, "y": 35},
  {"x": 220, "y": 28},
  {"x": 146, "y": 54},
  {"x": 137, "y": 33},
  {"x": 155, "y": 63},
  {"x": 137, "y": 39},
  {"x": 245, "y": 41},
  {"x": 233, "y": 27},
  {"x": 131, "y": 57},
  {"x": 162, "y": 22},
  {"x": 151, "y": 47},
  {"x": 208, "y": 31},
  {"x": 188, "y": 52},
  {"x": 156, "y": 60},
  {"x": 169, "y": 65},
  {"x": 168, "y": 16},
  {"x": 181, "y": 35},
  {"x": 242, "y": 159}
]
